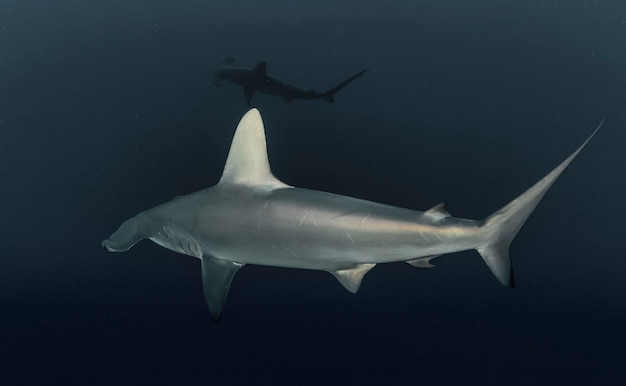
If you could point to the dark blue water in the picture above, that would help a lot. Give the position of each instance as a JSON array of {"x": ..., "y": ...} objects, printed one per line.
[{"x": 107, "y": 109}]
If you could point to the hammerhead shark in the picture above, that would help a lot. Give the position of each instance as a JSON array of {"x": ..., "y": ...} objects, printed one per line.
[
  {"x": 257, "y": 79},
  {"x": 251, "y": 217}
]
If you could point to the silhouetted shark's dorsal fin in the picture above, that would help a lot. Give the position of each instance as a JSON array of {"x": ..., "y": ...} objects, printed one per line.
[
  {"x": 247, "y": 162},
  {"x": 261, "y": 69},
  {"x": 438, "y": 212}
]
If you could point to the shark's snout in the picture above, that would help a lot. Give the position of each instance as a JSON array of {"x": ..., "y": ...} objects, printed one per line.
[
  {"x": 125, "y": 237},
  {"x": 107, "y": 245}
]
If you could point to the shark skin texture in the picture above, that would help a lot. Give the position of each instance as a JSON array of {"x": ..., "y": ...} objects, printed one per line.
[
  {"x": 251, "y": 217},
  {"x": 258, "y": 80}
]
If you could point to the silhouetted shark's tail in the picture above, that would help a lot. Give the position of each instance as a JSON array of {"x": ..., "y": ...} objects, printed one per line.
[
  {"x": 328, "y": 95},
  {"x": 501, "y": 227}
]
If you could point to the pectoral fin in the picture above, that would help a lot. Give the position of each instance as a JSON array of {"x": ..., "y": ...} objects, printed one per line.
[
  {"x": 351, "y": 278},
  {"x": 247, "y": 94},
  {"x": 217, "y": 274}
]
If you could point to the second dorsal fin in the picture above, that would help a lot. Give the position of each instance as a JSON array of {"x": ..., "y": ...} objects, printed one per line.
[{"x": 438, "y": 212}]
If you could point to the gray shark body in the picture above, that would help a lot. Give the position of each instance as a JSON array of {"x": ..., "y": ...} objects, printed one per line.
[
  {"x": 250, "y": 217},
  {"x": 258, "y": 80}
]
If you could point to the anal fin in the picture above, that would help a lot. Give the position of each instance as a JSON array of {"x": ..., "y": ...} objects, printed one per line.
[
  {"x": 217, "y": 274},
  {"x": 351, "y": 278},
  {"x": 423, "y": 262}
]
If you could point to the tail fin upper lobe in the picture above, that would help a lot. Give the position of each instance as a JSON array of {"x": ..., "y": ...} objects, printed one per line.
[
  {"x": 502, "y": 226},
  {"x": 328, "y": 95}
]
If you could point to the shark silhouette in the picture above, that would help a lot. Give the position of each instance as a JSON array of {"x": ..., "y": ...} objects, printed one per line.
[
  {"x": 251, "y": 217},
  {"x": 257, "y": 79}
]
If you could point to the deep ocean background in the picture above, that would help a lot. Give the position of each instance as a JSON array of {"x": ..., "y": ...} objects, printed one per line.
[{"x": 107, "y": 108}]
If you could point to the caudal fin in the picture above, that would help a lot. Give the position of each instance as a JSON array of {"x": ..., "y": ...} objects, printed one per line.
[
  {"x": 501, "y": 227},
  {"x": 328, "y": 95}
]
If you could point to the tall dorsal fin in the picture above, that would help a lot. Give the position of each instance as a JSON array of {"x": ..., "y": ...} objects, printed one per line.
[
  {"x": 247, "y": 162},
  {"x": 438, "y": 212},
  {"x": 261, "y": 69}
]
